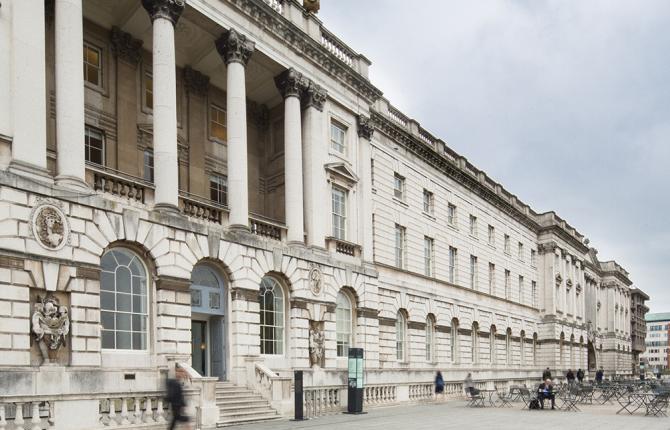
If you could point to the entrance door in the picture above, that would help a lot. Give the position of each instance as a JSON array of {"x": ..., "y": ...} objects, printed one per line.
[{"x": 199, "y": 346}]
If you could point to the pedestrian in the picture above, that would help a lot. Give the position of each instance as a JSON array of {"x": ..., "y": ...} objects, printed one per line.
[
  {"x": 599, "y": 375},
  {"x": 468, "y": 385},
  {"x": 580, "y": 375},
  {"x": 439, "y": 385},
  {"x": 570, "y": 376},
  {"x": 546, "y": 374},
  {"x": 175, "y": 396}
]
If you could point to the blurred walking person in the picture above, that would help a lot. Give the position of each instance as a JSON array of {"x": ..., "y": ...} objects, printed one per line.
[{"x": 175, "y": 396}]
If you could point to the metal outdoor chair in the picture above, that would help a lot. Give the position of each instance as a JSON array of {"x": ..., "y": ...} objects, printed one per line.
[
  {"x": 567, "y": 400},
  {"x": 658, "y": 405},
  {"x": 505, "y": 398},
  {"x": 526, "y": 396},
  {"x": 475, "y": 398}
]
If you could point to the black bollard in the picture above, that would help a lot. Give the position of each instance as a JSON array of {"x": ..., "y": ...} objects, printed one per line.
[{"x": 298, "y": 415}]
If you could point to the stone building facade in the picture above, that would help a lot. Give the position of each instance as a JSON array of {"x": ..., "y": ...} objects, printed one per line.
[{"x": 219, "y": 184}]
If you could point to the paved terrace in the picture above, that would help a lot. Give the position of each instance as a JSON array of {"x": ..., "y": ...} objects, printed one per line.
[{"x": 455, "y": 415}]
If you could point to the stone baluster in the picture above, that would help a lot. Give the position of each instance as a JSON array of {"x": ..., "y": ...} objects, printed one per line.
[
  {"x": 112, "y": 413},
  {"x": 160, "y": 413},
  {"x": 18, "y": 416},
  {"x": 137, "y": 413},
  {"x": 36, "y": 421},
  {"x": 124, "y": 412},
  {"x": 148, "y": 412},
  {"x": 3, "y": 420}
]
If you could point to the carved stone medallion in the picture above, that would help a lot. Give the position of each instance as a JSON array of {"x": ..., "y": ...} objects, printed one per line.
[
  {"x": 315, "y": 280},
  {"x": 49, "y": 225}
]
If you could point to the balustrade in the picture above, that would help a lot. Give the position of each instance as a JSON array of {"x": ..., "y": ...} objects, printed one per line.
[
  {"x": 379, "y": 394},
  {"x": 118, "y": 184},
  {"x": 195, "y": 207},
  {"x": 267, "y": 228},
  {"x": 274, "y": 4},
  {"x": 398, "y": 116},
  {"x": 26, "y": 415},
  {"x": 419, "y": 392},
  {"x": 322, "y": 401},
  {"x": 138, "y": 409},
  {"x": 337, "y": 48}
]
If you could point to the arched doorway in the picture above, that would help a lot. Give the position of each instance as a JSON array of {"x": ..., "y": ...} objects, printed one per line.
[
  {"x": 591, "y": 351},
  {"x": 208, "y": 333}
]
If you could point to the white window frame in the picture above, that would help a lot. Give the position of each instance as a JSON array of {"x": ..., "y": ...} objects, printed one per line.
[
  {"x": 473, "y": 272},
  {"x": 521, "y": 285},
  {"x": 492, "y": 278},
  {"x": 344, "y": 323},
  {"x": 399, "y": 186},
  {"x": 429, "y": 256},
  {"x": 338, "y": 147},
  {"x": 148, "y": 165},
  {"x": 339, "y": 219},
  {"x": 507, "y": 244},
  {"x": 401, "y": 337},
  {"x": 473, "y": 225},
  {"x": 452, "y": 214},
  {"x": 88, "y": 130},
  {"x": 278, "y": 338},
  {"x": 400, "y": 246},
  {"x": 99, "y": 66},
  {"x": 430, "y": 340},
  {"x": 221, "y": 182},
  {"x": 492, "y": 235},
  {"x": 453, "y": 264},
  {"x": 428, "y": 202},
  {"x": 508, "y": 276},
  {"x": 214, "y": 107}
]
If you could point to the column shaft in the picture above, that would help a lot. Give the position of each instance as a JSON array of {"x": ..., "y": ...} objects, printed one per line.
[
  {"x": 166, "y": 169},
  {"x": 366, "y": 239},
  {"x": 293, "y": 169},
  {"x": 69, "y": 93},
  {"x": 314, "y": 177},
  {"x": 236, "y": 116}
]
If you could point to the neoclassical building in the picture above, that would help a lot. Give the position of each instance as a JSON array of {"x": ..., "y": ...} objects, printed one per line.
[{"x": 217, "y": 184}]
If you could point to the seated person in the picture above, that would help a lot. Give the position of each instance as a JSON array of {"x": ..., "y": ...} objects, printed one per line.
[{"x": 546, "y": 391}]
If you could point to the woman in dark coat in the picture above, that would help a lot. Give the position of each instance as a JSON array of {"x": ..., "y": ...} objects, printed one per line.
[{"x": 439, "y": 385}]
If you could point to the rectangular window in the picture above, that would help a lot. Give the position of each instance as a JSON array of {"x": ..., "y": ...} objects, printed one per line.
[
  {"x": 520, "y": 289},
  {"x": 507, "y": 286},
  {"x": 398, "y": 187},
  {"x": 400, "y": 246},
  {"x": 148, "y": 91},
  {"x": 520, "y": 251},
  {"x": 337, "y": 137},
  {"x": 492, "y": 278},
  {"x": 533, "y": 285},
  {"x": 533, "y": 257},
  {"x": 339, "y": 202},
  {"x": 507, "y": 244},
  {"x": 427, "y": 202},
  {"x": 218, "y": 189},
  {"x": 94, "y": 142},
  {"x": 428, "y": 255},
  {"x": 372, "y": 172},
  {"x": 92, "y": 65},
  {"x": 473, "y": 225},
  {"x": 148, "y": 165},
  {"x": 492, "y": 235},
  {"x": 218, "y": 128},
  {"x": 473, "y": 272},
  {"x": 453, "y": 254},
  {"x": 451, "y": 214}
]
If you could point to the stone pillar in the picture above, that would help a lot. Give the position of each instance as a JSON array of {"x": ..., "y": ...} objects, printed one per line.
[
  {"x": 235, "y": 50},
  {"x": 314, "y": 157},
  {"x": 70, "y": 160},
  {"x": 291, "y": 84},
  {"x": 164, "y": 15},
  {"x": 365, "y": 130},
  {"x": 196, "y": 85},
  {"x": 28, "y": 87}
]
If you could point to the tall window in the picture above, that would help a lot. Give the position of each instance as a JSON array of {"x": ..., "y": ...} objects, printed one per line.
[
  {"x": 534, "y": 348},
  {"x": 400, "y": 334},
  {"x": 533, "y": 257},
  {"x": 428, "y": 256},
  {"x": 271, "y": 300},
  {"x": 492, "y": 345},
  {"x": 428, "y": 205},
  {"x": 455, "y": 346},
  {"x": 398, "y": 187},
  {"x": 451, "y": 214},
  {"x": 337, "y": 137},
  {"x": 520, "y": 251},
  {"x": 492, "y": 278},
  {"x": 475, "y": 342},
  {"x": 453, "y": 254},
  {"x": 148, "y": 164},
  {"x": 123, "y": 300},
  {"x": 492, "y": 235},
  {"x": 400, "y": 245},
  {"x": 520, "y": 289},
  {"x": 94, "y": 148},
  {"x": 339, "y": 207},
  {"x": 148, "y": 91},
  {"x": 508, "y": 346},
  {"x": 473, "y": 225},
  {"x": 430, "y": 335},
  {"x": 507, "y": 244},
  {"x": 92, "y": 65},
  {"x": 507, "y": 285},
  {"x": 522, "y": 348},
  {"x": 344, "y": 324},
  {"x": 218, "y": 128},
  {"x": 218, "y": 189},
  {"x": 473, "y": 272}
]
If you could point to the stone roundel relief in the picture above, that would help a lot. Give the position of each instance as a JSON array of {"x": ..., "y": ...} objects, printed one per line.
[
  {"x": 50, "y": 225},
  {"x": 315, "y": 280}
]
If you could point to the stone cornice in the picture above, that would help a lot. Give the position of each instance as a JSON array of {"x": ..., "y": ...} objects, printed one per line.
[
  {"x": 564, "y": 235},
  {"x": 234, "y": 47},
  {"x": 172, "y": 283},
  {"x": 195, "y": 82},
  {"x": 365, "y": 127},
  {"x": 125, "y": 46},
  {"x": 290, "y": 35},
  {"x": 291, "y": 83},
  {"x": 167, "y": 9},
  {"x": 314, "y": 96}
]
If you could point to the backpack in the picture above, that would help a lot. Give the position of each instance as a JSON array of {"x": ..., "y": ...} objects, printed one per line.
[{"x": 534, "y": 404}]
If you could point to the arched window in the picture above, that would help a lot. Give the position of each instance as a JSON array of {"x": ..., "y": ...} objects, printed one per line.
[
  {"x": 206, "y": 291},
  {"x": 344, "y": 324},
  {"x": 534, "y": 349},
  {"x": 271, "y": 299},
  {"x": 455, "y": 346},
  {"x": 475, "y": 342},
  {"x": 572, "y": 350},
  {"x": 400, "y": 337},
  {"x": 522, "y": 348},
  {"x": 561, "y": 341},
  {"x": 123, "y": 300},
  {"x": 430, "y": 336},
  {"x": 492, "y": 345},
  {"x": 508, "y": 346}
]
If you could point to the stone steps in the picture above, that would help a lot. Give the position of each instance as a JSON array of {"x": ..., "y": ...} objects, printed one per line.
[{"x": 239, "y": 405}]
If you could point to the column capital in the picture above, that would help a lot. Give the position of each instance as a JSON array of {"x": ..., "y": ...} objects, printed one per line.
[
  {"x": 314, "y": 96},
  {"x": 234, "y": 47},
  {"x": 195, "y": 82},
  {"x": 125, "y": 46},
  {"x": 291, "y": 83},
  {"x": 365, "y": 127},
  {"x": 167, "y": 9}
]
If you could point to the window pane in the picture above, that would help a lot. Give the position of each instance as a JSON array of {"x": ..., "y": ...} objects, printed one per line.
[
  {"x": 107, "y": 319},
  {"x": 123, "y": 340},
  {"x": 108, "y": 339},
  {"x": 107, "y": 300},
  {"x": 123, "y": 321},
  {"x": 123, "y": 302},
  {"x": 123, "y": 280}
]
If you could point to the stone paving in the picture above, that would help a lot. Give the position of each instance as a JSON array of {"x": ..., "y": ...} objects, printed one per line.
[{"x": 455, "y": 415}]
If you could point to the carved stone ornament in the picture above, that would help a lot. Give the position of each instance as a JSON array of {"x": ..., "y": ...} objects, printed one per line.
[
  {"x": 312, "y": 6},
  {"x": 291, "y": 83},
  {"x": 125, "y": 46},
  {"x": 195, "y": 82},
  {"x": 50, "y": 326},
  {"x": 168, "y": 9},
  {"x": 598, "y": 305},
  {"x": 314, "y": 96},
  {"x": 568, "y": 284},
  {"x": 317, "y": 341},
  {"x": 234, "y": 47},
  {"x": 49, "y": 225},
  {"x": 559, "y": 279},
  {"x": 365, "y": 127},
  {"x": 315, "y": 280}
]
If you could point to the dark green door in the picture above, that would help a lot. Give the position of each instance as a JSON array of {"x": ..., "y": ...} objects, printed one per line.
[{"x": 199, "y": 347}]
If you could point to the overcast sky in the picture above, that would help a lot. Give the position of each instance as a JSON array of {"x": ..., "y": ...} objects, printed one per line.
[{"x": 566, "y": 103}]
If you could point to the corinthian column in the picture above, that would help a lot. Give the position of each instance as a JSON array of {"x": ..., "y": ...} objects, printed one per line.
[
  {"x": 291, "y": 84},
  {"x": 164, "y": 16},
  {"x": 365, "y": 131},
  {"x": 69, "y": 93},
  {"x": 235, "y": 50},
  {"x": 314, "y": 156}
]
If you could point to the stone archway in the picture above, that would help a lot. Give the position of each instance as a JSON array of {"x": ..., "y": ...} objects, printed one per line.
[{"x": 591, "y": 357}]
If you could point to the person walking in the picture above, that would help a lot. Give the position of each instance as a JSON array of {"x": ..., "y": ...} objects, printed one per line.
[
  {"x": 546, "y": 374},
  {"x": 175, "y": 396},
  {"x": 570, "y": 376},
  {"x": 468, "y": 384},
  {"x": 599, "y": 375},
  {"x": 439, "y": 385},
  {"x": 580, "y": 375}
]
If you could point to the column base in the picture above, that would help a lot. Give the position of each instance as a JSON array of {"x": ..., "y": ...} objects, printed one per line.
[
  {"x": 296, "y": 243},
  {"x": 239, "y": 227},
  {"x": 31, "y": 171},
  {"x": 167, "y": 208},
  {"x": 72, "y": 182}
]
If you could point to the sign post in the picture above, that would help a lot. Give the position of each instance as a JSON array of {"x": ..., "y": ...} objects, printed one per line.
[
  {"x": 298, "y": 411},
  {"x": 355, "y": 386}
]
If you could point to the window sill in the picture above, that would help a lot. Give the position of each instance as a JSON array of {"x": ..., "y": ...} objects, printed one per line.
[
  {"x": 452, "y": 226},
  {"x": 490, "y": 245},
  {"x": 400, "y": 202},
  {"x": 472, "y": 236},
  {"x": 429, "y": 215}
]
